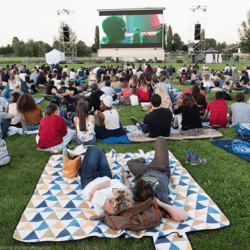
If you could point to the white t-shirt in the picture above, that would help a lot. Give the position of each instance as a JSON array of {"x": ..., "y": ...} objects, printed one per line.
[
  {"x": 233, "y": 68},
  {"x": 111, "y": 119},
  {"x": 208, "y": 84},
  {"x": 3, "y": 103},
  {"x": 227, "y": 68},
  {"x": 13, "y": 110},
  {"x": 240, "y": 112},
  {"x": 72, "y": 75},
  {"x": 108, "y": 90},
  {"x": 86, "y": 135},
  {"x": 248, "y": 72},
  {"x": 101, "y": 195},
  {"x": 22, "y": 76},
  {"x": 134, "y": 71}
]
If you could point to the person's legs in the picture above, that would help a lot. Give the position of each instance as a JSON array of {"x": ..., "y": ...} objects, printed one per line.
[
  {"x": 160, "y": 161},
  {"x": 177, "y": 121},
  {"x": 86, "y": 142},
  {"x": 5, "y": 126},
  {"x": 207, "y": 89},
  {"x": 94, "y": 165},
  {"x": 32, "y": 128},
  {"x": 6, "y": 95}
]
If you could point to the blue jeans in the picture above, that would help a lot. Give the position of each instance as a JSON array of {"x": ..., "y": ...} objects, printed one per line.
[
  {"x": 207, "y": 89},
  {"x": 5, "y": 123},
  {"x": 31, "y": 127},
  {"x": 247, "y": 90},
  {"x": 6, "y": 94},
  {"x": 103, "y": 133},
  {"x": 78, "y": 141},
  {"x": 94, "y": 165},
  {"x": 64, "y": 114}
]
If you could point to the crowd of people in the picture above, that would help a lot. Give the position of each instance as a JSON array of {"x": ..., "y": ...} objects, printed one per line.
[{"x": 90, "y": 94}]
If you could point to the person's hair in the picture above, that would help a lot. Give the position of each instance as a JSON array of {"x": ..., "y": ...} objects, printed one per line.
[
  {"x": 51, "y": 83},
  {"x": 218, "y": 74},
  {"x": 15, "y": 97},
  {"x": 84, "y": 87},
  {"x": 237, "y": 84},
  {"x": 155, "y": 100},
  {"x": 121, "y": 199},
  {"x": 135, "y": 80},
  {"x": 123, "y": 74},
  {"x": 195, "y": 91},
  {"x": 154, "y": 79},
  {"x": 188, "y": 100},
  {"x": 72, "y": 70},
  {"x": 71, "y": 83},
  {"x": 207, "y": 77},
  {"x": 227, "y": 83},
  {"x": 26, "y": 103},
  {"x": 149, "y": 67},
  {"x": 62, "y": 82},
  {"x": 143, "y": 190},
  {"x": 116, "y": 79},
  {"x": 201, "y": 99},
  {"x": 219, "y": 95},
  {"x": 216, "y": 84},
  {"x": 94, "y": 86},
  {"x": 54, "y": 75},
  {"x": 108, "y": 83},
  {"x": 77, "y": 77},
  {"x": 51, "y": 109},
  {"x": 240, "y": 97},
  {"x": 235, "y": 72},
  {"x": 82, "y": 112},
  {"x": 41, "y": 74},
  {"x": 105, "y": 78},
  {"x": 64, "y": 75},
  {"x": 12, "y": 77},
  {"x": 163, "y": 78},
  {"x": 124, "y": 84}
]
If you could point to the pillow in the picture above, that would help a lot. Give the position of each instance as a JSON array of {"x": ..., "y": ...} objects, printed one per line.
[{"x": 71, "y": 164}]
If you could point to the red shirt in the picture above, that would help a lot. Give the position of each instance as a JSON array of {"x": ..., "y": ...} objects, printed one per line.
[
  {"x": 51, "y": 131},
  {"x": 189, "y": 91},
  {"x": 218, "y": 112},
  {"x": 143, "y": 95}
]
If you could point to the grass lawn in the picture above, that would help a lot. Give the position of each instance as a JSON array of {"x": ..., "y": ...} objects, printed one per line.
[{"x": 225, "y": 178}]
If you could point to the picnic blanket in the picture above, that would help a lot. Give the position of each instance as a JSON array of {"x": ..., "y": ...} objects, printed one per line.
[
  {"x": 14, "y": 130},
  {"x": 57, "y": 211},
  {"x": 38, "y": 100},
  {"x": 243, "y": 127},
  {"x": 114, "y": 140},
  {"x": 174, "y": 135},
  {"x": 238, "y": 147}
]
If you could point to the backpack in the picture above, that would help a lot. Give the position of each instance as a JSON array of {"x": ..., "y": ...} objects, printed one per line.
[
  {"x": 245, "y": 136},
  {"x": 146, "y": 215}
]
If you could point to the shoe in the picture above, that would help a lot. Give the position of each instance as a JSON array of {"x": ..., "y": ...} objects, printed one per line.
[
  {"x": 195, "y": 159},
  {"x": 188, "y": 157},
  {"x": 135, "y": 121}
]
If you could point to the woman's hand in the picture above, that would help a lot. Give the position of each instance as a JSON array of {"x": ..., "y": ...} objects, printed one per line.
[{"x": 92, "y": 192}]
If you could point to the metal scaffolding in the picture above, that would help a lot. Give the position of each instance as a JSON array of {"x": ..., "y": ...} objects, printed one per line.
[
  {"x": 67, "y": 43},
  {"x": 197, "y": 32}
]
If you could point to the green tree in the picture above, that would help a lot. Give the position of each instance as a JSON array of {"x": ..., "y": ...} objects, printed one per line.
[
  {"x": 82, "y": 49},
  {"x": 169, "y": 38},
  {"x": 244, "y": 33},
  {"x": 210, "y": 43},
  {"x": 97, "y": 38},
  {"x": 177, "y": 43}
]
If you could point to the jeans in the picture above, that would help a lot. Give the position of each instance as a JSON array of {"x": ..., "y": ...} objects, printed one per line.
[
  {"x": 6, "y": 95},
  {"x": 247, "y": 90},
  {"x": 94, "y": 165},
  {"x": 103, "y": 133},
  {"x": 207, "y": 89},
  {"x": 144, "y": 128},
  {"x": 31, "y": 127},
  {"x": 64, "y": 114},
  {"x": 5, "y": 123},
  {"x": 78, "y": 141}
]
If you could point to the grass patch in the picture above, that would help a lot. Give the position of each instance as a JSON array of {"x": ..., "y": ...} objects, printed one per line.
[{"x": 225, "y": 178}]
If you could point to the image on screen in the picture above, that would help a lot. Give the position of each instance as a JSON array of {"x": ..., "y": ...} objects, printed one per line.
[{"x": 131, "y": 31}]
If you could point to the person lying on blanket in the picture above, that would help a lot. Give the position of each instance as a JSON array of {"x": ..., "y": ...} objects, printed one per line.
[
  {"x": 158, "y": 121},
  {"x": 107, "y": 194},
  {"x": 153, "y": 180}
]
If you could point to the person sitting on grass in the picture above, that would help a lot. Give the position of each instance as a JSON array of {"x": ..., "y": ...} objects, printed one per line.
[
  {"x": 187, "y": 116},
  {"x": 94, "y": 98},
  {"x": 108, "y": 120},
  {"x": 158, "y": 121},
  {"x": 218, "y": 111},
  {"x": 153, "y": 180},
  {"x": 217, "y": 86},
  {"x": 16, "y": 121},
  {"x": 31, "y": 114},
  {"x": 109, "y": 91},
  {"x": 52, "y": 135},
  {"x": 239, "y": 112},
  {"x": 106, "y": 194},
  {"x": 126, "y": 92},
  {"x": 85, "y": 124},
  {"x": 143, "y": 92}
]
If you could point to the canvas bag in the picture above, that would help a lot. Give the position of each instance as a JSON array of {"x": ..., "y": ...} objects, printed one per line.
[
  {"x": 4, "y": 155},
  {"x": 134, "y": 100},
  {"x": 71, "y": 164},
  {"x": 136, "y": 218}
]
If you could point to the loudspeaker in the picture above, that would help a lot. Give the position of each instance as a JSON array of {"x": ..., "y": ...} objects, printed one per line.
[
  {"x": 66, "y": 34},
  {"x": 197, "y": 31}
]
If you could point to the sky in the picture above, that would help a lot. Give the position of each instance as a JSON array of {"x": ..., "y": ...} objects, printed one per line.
[{"x": 38, "y": 20}]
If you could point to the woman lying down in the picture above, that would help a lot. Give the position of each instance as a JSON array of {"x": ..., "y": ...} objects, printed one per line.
[{"x": 110, "y": 195}]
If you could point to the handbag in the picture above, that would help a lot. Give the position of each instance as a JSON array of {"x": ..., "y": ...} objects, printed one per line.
[
  {"x": 4, "y": 155},
  {"x": 136, "y": 218},
  {"x": 71, "y": 164}
]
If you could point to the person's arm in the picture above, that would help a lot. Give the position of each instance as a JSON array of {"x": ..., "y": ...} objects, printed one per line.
[
  {"x": 230, "y": 112},
  {"x": 23, "y": 122},
  {"x": 178, "y": 110},
  {"x": 107, "y": 207},
  {"x": 102, "y": 185},
  {"x": 125, "y": 180},
  {"x": 176, "y": 213},
  {"x": 100, "y": 118},
  {"x": 63, "y": 127}
]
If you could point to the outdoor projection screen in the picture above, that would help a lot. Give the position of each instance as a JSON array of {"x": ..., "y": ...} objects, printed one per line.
[{"x": 131, "y": 28}]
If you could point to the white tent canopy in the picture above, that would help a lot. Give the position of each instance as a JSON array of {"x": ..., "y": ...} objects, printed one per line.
[
  {"x": 213, "y": 56},
  {"x": 54, "y": 56}
]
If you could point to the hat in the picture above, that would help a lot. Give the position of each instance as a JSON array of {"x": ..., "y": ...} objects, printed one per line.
[
  {"x": 107, "y": 100},
  {"x": 55, "y": 99}
]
